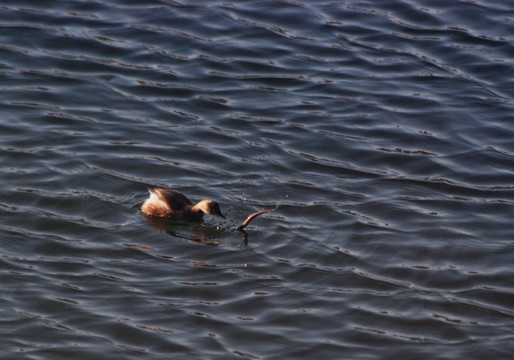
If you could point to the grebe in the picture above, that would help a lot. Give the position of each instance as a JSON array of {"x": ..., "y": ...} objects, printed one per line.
[{"x": 173, "y": 205}]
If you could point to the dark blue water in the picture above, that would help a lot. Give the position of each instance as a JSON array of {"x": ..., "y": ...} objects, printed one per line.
[{"x": 381, "y": 132}]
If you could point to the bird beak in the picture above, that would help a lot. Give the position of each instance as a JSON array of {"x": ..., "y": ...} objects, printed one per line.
[{"x": 220, "y": 214}]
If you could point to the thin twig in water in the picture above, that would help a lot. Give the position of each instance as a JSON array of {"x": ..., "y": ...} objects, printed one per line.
[{"x": 251, "y": 217}]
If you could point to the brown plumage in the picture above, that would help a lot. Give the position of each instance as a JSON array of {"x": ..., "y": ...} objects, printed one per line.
[{"x": 173, "y": 205}]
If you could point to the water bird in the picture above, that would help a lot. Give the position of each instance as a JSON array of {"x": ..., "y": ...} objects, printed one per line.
[{"x": 173, "y": 205}]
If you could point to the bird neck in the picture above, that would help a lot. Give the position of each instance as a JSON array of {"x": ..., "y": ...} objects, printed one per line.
[{"x": 202, "y": 206}]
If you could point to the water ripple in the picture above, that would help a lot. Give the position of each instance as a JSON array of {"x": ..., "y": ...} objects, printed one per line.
[{"x": 379, "y": 132}]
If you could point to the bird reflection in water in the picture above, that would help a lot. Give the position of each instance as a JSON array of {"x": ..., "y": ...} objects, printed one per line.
[{"x": 203, "y": 235}]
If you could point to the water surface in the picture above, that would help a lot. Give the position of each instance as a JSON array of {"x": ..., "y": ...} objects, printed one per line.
[{"x": 380, "y": 132}]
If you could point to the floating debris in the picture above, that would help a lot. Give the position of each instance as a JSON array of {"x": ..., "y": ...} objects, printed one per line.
[{"x": 251, "y": 217}]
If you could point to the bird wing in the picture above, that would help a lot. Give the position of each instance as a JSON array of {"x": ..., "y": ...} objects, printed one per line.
[{"x": 175, "y": 200}]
